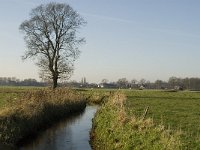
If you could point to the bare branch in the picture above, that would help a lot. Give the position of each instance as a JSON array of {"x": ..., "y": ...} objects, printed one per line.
[{"x": 50, "y": 36}]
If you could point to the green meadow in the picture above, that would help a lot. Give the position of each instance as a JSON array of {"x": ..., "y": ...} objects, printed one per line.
[
  {"x": 178, "y": 111},
  {"x": 9, "y": 94}
]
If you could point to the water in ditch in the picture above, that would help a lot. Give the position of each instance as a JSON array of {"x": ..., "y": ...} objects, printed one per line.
[{"x": 70, "y": 134}]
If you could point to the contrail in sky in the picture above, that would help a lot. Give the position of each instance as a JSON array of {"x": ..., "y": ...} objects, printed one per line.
[{"x": 175, "y": 32}]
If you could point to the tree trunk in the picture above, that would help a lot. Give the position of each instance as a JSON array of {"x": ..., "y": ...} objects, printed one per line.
[{"x": 55, "y": 82}]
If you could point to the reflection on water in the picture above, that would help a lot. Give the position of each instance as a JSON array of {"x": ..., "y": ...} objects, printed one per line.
[
  {"x": 5, "y": 147},
  {"x": 71, "y": 134}
]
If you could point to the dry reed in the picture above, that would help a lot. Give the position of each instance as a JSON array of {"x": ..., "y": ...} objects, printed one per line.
[{"x": 36, "y": 110}]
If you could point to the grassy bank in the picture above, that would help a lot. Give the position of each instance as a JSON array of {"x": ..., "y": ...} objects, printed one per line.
[
  {"x": 114, "y": 128},
  {"x": 35, "y": 110}
]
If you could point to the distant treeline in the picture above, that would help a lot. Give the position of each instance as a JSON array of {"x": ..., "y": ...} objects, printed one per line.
[
  {"x": 13, "y": 81},
  {"x": 172, "y": 83}
]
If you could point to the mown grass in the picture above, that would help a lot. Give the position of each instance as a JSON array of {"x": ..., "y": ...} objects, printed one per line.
[
  {"x": 113, "y": 128},
  {"x": 32, "y": 111},
  {"x": 176, "y": 110}
]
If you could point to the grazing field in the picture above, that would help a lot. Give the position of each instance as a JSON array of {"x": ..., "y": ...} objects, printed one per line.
[
  {"x": 8, "y": 94},
  {"x": 178, "y": 111}
]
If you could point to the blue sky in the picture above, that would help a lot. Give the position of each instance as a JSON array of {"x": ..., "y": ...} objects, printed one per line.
[{"x": 151, "y": 39}]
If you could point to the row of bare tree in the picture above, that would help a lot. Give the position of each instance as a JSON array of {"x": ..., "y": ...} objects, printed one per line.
[
  {"x": 172, "y": 83},
  {"x": 13, "y": 81}
]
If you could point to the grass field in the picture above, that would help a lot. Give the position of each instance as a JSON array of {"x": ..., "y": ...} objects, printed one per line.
[
  {"x": 176, "y": 110},
  {"x": 8, "y": 94}
]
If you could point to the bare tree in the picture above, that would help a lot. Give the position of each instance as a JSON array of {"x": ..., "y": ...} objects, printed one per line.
[
  {"x": 173, "y": 81},
  {"x": 122, "y": 83},
  {"x": 104, "y": 81},
  {"x": 51, "y": 38},
  {"x": 158, "y": 84},
  {"x": 142, "y": 81},
  {"x": 133, "y": 83}
]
